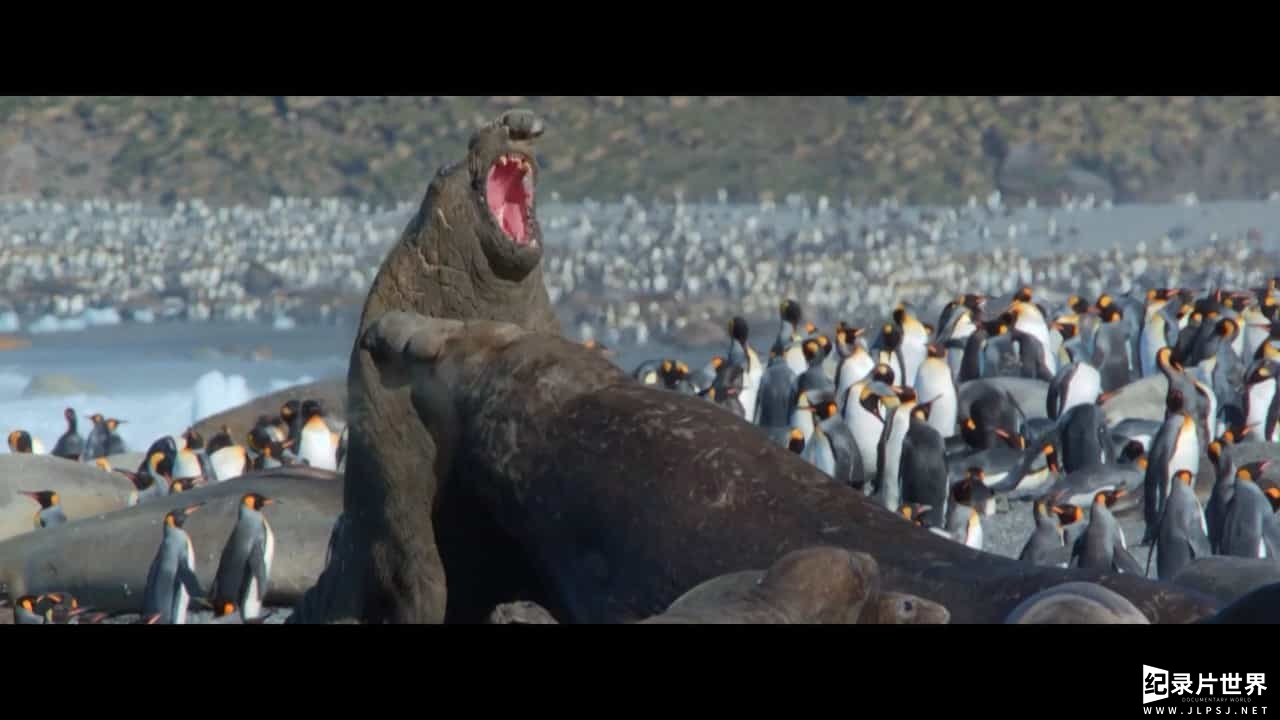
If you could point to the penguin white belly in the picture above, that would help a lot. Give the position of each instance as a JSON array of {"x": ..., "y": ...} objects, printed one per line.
[
  {"x": 751, "y": 388},
  {"x": 183, "y": 599},
  {"x": 819, "y": 454},
  {"x": 914, "y": 351},
  {"x": 187, "y": 465},
  {"x": 1186, "y": 456},
  {"x": 1253, "y": 337},
  {"x": 803, "y": 419},
  {"x": 1259, "y": 400},
  {"x": 933, "y": 384},
  {"x": 37, "y": 447},
  {"x": 1084, "y": 388},
  {"x": 1148, "y": 346},
  {"x": 852, "y": 370},
  {"x": 974, "y": 537},
  {"x": 255, "y": 595},
  {"x": 794, "y": 355},
  {"x": 1262, "y": 549},
  {"x": 317, "y": 449},
  {"x": 866, "y": 430},
  {"x": 227, "y": 463}
]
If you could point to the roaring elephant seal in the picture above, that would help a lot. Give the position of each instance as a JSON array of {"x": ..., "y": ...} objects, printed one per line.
[
  {"x": 103, "y": 561},
  {"x": 603, "y": 500},
  {"x": 1076, "y": 603},
  {"x": 331, "y": 393},
  {"x": 473, "y": 250},
  {"x": 879, "y": 607},
  {"x": 83, "y": 489},
  {"x": 818, "y": 585}
]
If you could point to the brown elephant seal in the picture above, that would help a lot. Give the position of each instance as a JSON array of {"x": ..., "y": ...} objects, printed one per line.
[
  {"x": 603, "y": 499},
  {"x": 817, "y": 585},
  {"x": 1227, "y": 578},
  {"x": 1076, "y": 603},
  {"x": 473, "y": 250},
  {"x": 332, "y": 394},
  {"x": 520, "y": 613},
  {"x": 103, "y": 561},
  {"x": 880, "y": 608},
  {"x": 895, "y": 608},
  {"x": 83, "y": 489}
]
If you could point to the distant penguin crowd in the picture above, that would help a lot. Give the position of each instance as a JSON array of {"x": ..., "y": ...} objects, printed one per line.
[
  {"x": 300, "y": 434},
  {"x": 1160, "y": 405}
]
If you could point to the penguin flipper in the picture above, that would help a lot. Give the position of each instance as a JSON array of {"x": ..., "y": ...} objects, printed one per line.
[
  {"x": 258, "y": 568},
  {"x": 1126, "y": 563},
  {"x": 189, "y": 580}
]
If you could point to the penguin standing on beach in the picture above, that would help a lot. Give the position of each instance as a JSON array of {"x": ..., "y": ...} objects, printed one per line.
[
  {"x": 70, "y": 445},
  {"x": 172, "y": 582},
  {"x": 1251, "y": 528},
  {"x": 741, "y": 353},
  {"x": 855, "y": 362},
  {"x": 1047, "y": 545},
  {"x": 317, "y": 445},
  {"x": 1175, "y": 447},
  {"x": 95, "y": 446},
  {"x": 1183, "y": 534},
  {"x": 244, "y": 570},
  {"x": 115, "y": 443},
  {"x": 924, "y": 464},
  {"x": 935, "y": 383},
  {"x": 50, "y": 513},
  {"x": 1102, "y": 545}
]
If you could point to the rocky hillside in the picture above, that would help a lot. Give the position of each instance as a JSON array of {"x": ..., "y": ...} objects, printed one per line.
[{"x": 384, "y": 150}]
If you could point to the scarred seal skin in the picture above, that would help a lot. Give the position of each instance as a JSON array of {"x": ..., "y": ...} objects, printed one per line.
[
  {"x": 1076, "y": 603},
  {"x": 603, "y": 500},
  {"x": 473, "y": 250}
]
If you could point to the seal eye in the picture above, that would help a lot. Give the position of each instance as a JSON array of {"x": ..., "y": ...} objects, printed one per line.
[{"x": 908, "y": 606}]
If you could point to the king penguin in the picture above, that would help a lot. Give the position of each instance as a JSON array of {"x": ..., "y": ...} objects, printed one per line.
[
  {"x": 923, "y": 474},
  {"x": 1102, "y": 545},
  {"x": 888, "y": 482},
  {"x": 244, "y": 569},
  {"x": 172, "y": 582},
  {"x": 1076, "y": 384},
  {"x": 95, "y": 446},
  {"x": 1047, "y": 545},
  {"x": 1183, "y": 535},
  {"x": 913, "y": 347},
  {"x": 50, "y": 513},
  {"x": 70, "y": 445},
  {"x": 22, "y": 442},
  {"x": 855, "y": 362},
  {"x": 227, "y": 459},
  {"x": 741, "y": 353},
  {"x": 1251, "y": 528},
  {"x": 935, "y": 383},
  {"x": 1175, "y": 447},
  {"x": 317, "y": 446}
]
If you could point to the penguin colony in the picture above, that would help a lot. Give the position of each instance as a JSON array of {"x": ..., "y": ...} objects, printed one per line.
[
  {"x": 625, "y": 273},
  {"x": 1021, "y": 405},
  {"x": 301, "y": 434}
]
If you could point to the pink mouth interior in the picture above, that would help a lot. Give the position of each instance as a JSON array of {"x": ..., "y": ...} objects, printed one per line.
[{"x": 509, "y": 192}]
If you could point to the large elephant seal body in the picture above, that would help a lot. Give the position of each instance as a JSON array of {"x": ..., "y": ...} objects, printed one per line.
[
  {"x": 1227, "y": 578},
  {"x": 454, "y": 260},
  {"x": 83, "y": 489},
  {"x": 608, "y": 499},
  {"x": 103, "y": 561},
  {"x": 819, "y": 585}
]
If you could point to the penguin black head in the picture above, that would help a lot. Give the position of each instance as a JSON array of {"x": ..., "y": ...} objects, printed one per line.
[
  {"x": 1108, "y": 497},
  {"x": 791, "y": 313},
  {"x": 915, "y": 513},
  {"x": 999, "y": 326},
  {"x": 1251, "y": 471},
  {"x": 220, "y": 440},
  {"x": 810, "y": 329},
  {"x": 182, "y": 485},
  {"x": 1111, "y": 313},
  {"x": 1266, "y": 350},
  {"x": 46, "y": 498},
  {"x": 882, "y": 373},
  {"x": 259, "y": 438},
  {"x": 28, "y": 602},
  {"x": 97, "y": 418},
  {"x": 161, "y": 463},
  {"x": 178, "y": 518},
  {"x": 936, "y": 351},
  {"x": 812, "y": 350},
  {"x": 1023, "y": 295},
  {"x": 1185, "y": 477},
  {"x": 255, "y": 501},
  {"x": 672, "y": 372},
  {"x": 826, "y": 410},
  {"x": 1067, "y": 514},
  {"x": 1104, "y": 301},
  {"x": 891, "y": 336},
  {"x": 1078, "y": 305},
  {"x": 19, "y": 441},
  {"x": 289, "y": 411},
  {"x": 1133, "y": 452},
  {"x": 1067, "y": 330},
  {"x": 738, "y": 329},
  {"x": 1226, "y": 328},
  {"x": 311, "y": 408},
  {"x": 1174, "y": 402},
  {"x": 195, "y": 441},
  {"x": 795, "y": 441},
  {"x": 69, "y": 415},
  {"x": 113, "y": 423},
  {"x": 225, "y": 609},
  {"x": 824, "y": 344},
  {"x": 974, "y": 301},
  {"x": 1260, "y": 373}
]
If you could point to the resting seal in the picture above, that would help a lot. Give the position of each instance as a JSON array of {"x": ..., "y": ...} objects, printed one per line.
[
  {"x": 819, "y": 585},
  {"x": 83, "y": 489},
  {"x": 1076, "y": 603},
  {"x": 1256, "y": 607},
  {"x": 103, "y": 561},
  {"x": 879, "y": 608},
  {"x": 603, "y": 499},
  {"x": 1227, "y": 578},
  {"x": 473, "y": 250}
]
